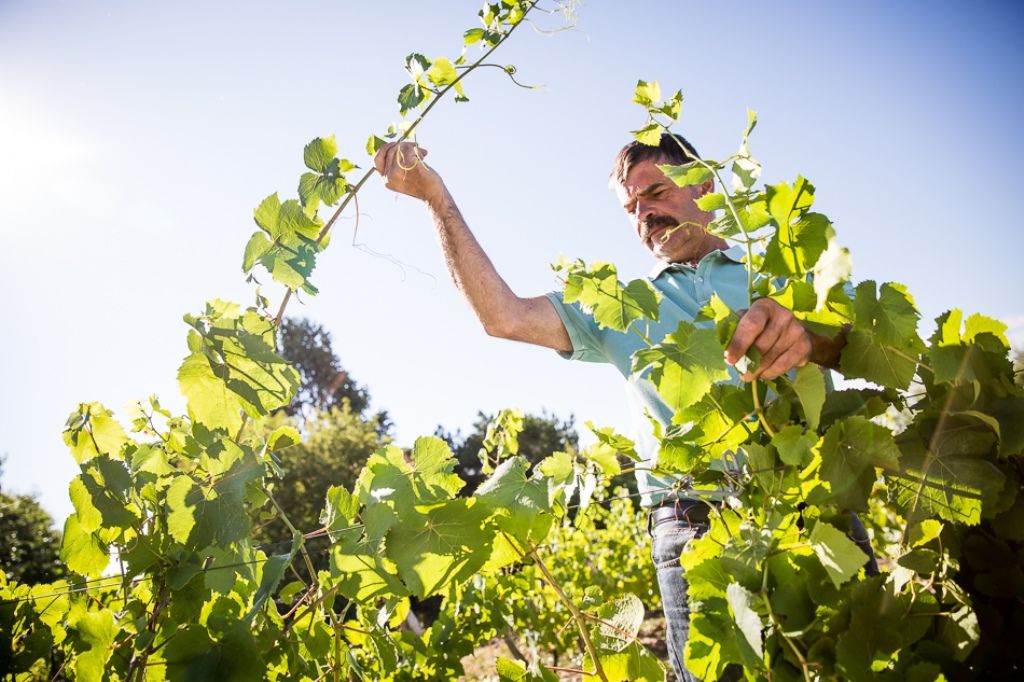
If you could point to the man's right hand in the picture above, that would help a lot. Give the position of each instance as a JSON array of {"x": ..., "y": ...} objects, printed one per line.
[{"x": 403, "y": 169}]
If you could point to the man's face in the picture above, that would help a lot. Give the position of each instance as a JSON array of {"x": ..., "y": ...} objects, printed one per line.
[{"x": 664, "y": 215}]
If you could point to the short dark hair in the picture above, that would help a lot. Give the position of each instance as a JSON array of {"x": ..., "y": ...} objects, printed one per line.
[{"x": 672, "y": 148}]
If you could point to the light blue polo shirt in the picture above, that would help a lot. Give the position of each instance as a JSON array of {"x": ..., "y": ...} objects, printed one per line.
[{"x": 685, "y": 290}]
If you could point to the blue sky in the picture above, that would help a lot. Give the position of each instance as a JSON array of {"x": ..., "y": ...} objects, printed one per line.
[{"x": 136, "y": 138}]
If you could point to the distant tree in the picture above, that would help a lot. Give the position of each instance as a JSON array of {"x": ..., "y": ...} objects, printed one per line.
[
  {"x": 29, "y": 543},
  {"x": 1018, "y": 366},
  {"x": 542, "y": 434},
  {"x": 324, "y": 383},
  {"x": 335, "y": 446}
]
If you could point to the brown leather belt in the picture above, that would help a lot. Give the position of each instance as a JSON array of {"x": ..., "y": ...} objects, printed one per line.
[{"x": 692, "y": 511}]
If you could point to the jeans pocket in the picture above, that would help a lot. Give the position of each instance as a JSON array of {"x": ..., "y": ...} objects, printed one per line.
[{"x": 670, "y": 539}]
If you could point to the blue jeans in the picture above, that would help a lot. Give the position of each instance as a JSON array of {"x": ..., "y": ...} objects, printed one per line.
[{"x": 668, "y": 539}]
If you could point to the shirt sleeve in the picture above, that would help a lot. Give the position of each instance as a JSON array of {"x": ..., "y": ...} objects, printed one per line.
[{"x": 587, "y": 339}]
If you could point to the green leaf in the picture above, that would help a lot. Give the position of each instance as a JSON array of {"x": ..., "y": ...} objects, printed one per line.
[
  {"x": 472, "y": 36},
  {"x": 684, "y": 366},
  {"x": 955, "y": 488},
  {"x": 362, "y": 574},
  {"x": 91, "y": 430},
  {"x": 613, "y": 306},
  {"x": 634, "y": 663},
  {"x": 809, "y": 386},
  {"x": 272, "y": 572},
  {"x": 82, "y": 551},
  {"x": 181, "y": 519},
  {"x": 445, "y": 543},
  {"x": 340, "y": 508},
  {"x": 621, "y": 618},
  {"x": 883, "y": 345},
  {"x": 840, "y": 555},
  {"x": 429, "y": 479},
  {"x": 693, "y": 173},
  {"x": 410, "y": 97},
  {"x": 210, "y": 401},
  {"x": 741, "y": 604},
  {"x": 793, "y": 445},
  {"x": 96, "y": 631},
  {"x": 619, "y": 443},
  {"x": 850, "y": 451},
  {"x": 441, "y": 72},
  {"x": 646, "y": 94},
  {"x": 649, "y": 135},
  {"x": 373, "y": 143},
  {"x": 712, "y": 201},
  {"x": 319, "y": 153},
  {"x": 523, "y": 505},
  {"x": 283, "y": 437},
  {"x": 233, "y": 365},
  {"x": 255, "y": 249},
  {"x": 801, "y": 237}
]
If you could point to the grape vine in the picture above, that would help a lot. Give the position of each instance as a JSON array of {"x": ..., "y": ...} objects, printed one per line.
[{"x": 167, "y": 583}]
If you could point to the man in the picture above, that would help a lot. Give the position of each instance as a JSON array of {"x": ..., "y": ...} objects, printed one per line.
[{"x": 692, "y": 266}]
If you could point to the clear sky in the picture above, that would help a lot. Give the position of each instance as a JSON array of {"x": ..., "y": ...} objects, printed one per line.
[{"x": 136, "y": 138}]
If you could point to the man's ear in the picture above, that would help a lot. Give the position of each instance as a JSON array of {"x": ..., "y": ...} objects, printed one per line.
[{"x": 707, "y": 187}]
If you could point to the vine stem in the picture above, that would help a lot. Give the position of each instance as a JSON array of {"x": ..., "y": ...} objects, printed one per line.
[
  {"x": 137, "y": 666},
  {"x": 577, "y": 615},
  {"x": 760, "y": 411},
  {"x": 295, "y": 531},
  {"x": 777, "y": 626},
  {"x": 404, "y": 136}
]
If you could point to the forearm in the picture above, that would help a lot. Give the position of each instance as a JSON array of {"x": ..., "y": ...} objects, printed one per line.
[{"x": 471, "y": 269}]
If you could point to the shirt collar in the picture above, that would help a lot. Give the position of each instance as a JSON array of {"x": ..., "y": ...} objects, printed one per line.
[{"x": 734, "y": 253}]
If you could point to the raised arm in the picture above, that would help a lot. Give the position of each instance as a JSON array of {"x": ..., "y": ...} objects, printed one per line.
[{"x": 501, "y": 312}]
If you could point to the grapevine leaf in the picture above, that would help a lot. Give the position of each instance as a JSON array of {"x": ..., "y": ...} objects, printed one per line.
[
  {"x": 956, "y": 488},
  {"x": 388, "y": 478},
  {"x": 883, "y": 345},
  {"x": 741, "y": 604},
  {"x": 91, "y": 430},
  {"x": 96, "y": 631},
  {"x": 621, "y": 619},
  {"x": 362, "y": 574},
  {"x": 234, "y": 364},
  {"x": 840, "y": 555},
  {"x": 319, "y": 153},
  {"x": 850, "y": 451},
  {"x": 522, "y": 505},
  {"x": 646, "y": 94},
  {"x": 613, "y": 306},
  {"x": 340, "y": 508},
  {"x": 801, "y": 237},
  {"x": 634, "y": 663},
  {"x": 687, "y": 174},
  {"x": 273, "y": 571},
  {"x": 616, "y": 441},
  {"x": 684, "y": 366},
  {"x": 82, "y": 551},
  {"x": 649, "y": 135},
  {"x": 255, "y": 249},
  {"x": 283, "y": 437},
  {"x": 409, "y": 97},
  {"x": 446, "y": 543},
  {"x": 793, "y": 445},
  {"x": 809, "y": 386},
  {"x": 441, "y": 72},
  {"x": 181, "y": 519}
]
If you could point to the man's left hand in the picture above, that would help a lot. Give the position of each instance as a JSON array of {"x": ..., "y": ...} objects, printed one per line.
[{"x": 784, "y": 343}]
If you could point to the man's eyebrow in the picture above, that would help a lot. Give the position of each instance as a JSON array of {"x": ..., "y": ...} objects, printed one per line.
[{"x": 653, "y": 187}]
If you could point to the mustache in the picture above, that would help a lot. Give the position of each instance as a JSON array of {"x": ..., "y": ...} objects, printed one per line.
[{"x": 654, "y": 222}]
